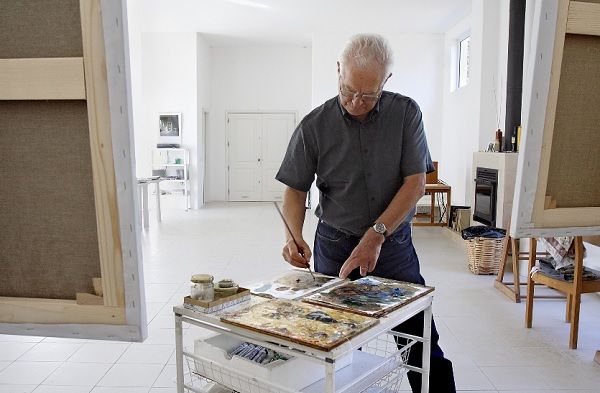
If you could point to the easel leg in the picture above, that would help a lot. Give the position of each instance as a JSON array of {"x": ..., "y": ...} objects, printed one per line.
[
  {"x": 576, "y": 294},
  {"x": 530, "y": 283},
  {"x": 505, "y": 249},
  {"x": 516, "y": 278},
  {"x": 569, "y": 308}
]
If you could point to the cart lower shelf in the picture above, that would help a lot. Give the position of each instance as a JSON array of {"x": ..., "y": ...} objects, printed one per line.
[{"x": 378, "y": 367}]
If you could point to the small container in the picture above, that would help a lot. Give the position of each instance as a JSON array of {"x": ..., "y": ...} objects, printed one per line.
[
  {"x": 498, "y": 143},
  {"x": 226, "y": 283},
  {"x": 202, "y": 287},
  {"x": 226, "y": 287}
]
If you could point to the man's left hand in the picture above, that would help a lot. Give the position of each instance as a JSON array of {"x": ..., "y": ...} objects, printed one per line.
[{"x": 364, "y": 255}]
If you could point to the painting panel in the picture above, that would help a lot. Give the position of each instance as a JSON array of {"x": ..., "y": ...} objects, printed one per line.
[
  {"x": 370, "y": 296},
  {"x": 293, "y": 285},
  {"x": 314, "y": 326}
]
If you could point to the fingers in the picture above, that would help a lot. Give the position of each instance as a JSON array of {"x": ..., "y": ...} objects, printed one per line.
[
  {"x": 294, "y": 256},
  {"x": 348, "y": 266},
  {"x": 371, "y": 266}
]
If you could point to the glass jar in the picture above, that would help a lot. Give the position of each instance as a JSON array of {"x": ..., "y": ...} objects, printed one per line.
[{"x": 202, "y": 287}]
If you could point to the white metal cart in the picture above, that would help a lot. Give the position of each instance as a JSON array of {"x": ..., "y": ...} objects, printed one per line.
[{"x": 377, "y": 367}]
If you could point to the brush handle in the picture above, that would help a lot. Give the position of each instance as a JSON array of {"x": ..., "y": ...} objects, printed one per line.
[{"x": 292, "y": 235}]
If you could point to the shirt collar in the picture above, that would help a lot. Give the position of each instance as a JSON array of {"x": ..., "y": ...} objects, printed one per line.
[{"x": 348, "y": 118}]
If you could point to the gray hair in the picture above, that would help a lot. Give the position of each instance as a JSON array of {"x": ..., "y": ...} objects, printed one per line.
[{"x": 367, "y": 50}]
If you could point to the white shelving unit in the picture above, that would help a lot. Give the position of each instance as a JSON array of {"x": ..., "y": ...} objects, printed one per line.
[
  {"x": 379, "y": 367},
  {"x": 172, "y": 165}
]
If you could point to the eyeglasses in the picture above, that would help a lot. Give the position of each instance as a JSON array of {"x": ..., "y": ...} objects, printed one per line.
[{"x": 352, "y": 95}]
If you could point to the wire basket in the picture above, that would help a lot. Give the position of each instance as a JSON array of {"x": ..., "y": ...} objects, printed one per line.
[
  {"x": 484, "y": 254},
  {"x": 202, "y": 372}
]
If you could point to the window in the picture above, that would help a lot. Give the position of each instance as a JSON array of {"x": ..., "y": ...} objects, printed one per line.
[{"x": 464, "y": 65}]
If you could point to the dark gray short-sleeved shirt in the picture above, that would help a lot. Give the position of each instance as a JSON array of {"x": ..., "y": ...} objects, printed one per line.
[{"x": 359, "y": 166}]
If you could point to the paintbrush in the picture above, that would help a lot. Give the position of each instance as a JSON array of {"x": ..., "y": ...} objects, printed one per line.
[{"x": 293, "y": 238}]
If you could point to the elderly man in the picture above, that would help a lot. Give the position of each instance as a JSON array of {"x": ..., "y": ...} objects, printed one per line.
[{"x": 368, "y": 149}]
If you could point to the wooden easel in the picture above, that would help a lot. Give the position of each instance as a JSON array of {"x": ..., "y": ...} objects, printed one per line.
[{"x": 512, "y": 290}]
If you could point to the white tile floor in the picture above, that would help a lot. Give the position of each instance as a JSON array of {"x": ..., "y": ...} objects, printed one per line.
[{"x": 481, "y": 331}]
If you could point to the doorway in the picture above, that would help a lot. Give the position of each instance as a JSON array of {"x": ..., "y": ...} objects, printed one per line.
[{"x": 256, "y": 145}]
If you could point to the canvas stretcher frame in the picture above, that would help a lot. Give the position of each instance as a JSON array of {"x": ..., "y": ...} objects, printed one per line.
[
  {"x": 535, "y": 213},
  {"x": 106, "y": 89}
]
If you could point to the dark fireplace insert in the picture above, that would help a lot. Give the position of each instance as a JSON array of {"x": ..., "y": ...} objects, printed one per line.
[{"x": 486, "y": 188}]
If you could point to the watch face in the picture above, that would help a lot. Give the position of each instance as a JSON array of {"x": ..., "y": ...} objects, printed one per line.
[{"x": 379, "y": 228}]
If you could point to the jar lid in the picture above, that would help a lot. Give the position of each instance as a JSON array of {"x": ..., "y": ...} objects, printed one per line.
[{"x": 202, "y": 278}]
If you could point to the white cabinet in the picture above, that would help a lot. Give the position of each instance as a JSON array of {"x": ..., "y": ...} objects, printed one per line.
[{"x": 173, "y": 166}]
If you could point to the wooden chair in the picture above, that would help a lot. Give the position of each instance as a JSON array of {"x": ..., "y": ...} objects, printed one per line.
[{"x": 573, "y": 290}]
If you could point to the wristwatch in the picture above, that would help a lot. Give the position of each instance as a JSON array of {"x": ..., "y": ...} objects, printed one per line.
[{"x": 380, "y": 228}]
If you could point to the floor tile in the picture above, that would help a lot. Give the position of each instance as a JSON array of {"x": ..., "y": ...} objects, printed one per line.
[
  {"x": 48, "y": 351},
  {"x": 78, "y": 374},
  {"x": 17, "y": 388},
  {"x": 132, "y": 375},
  {"x": 167, "y": 378},
  {"x": 27, "y": 373},
  {"x": 102, "y": 389},
  {"x": 147, "y": 354},
  {"x": 62, "y": 389},
  {"x": 93, "y": 352},
  {"x": 10, "y": 351}
]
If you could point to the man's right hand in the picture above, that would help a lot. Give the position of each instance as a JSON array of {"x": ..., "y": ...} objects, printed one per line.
[{"x": 297, "y": 256}]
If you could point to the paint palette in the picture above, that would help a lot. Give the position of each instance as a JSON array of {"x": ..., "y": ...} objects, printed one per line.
[
  {"x": 293, "y": 285},
  {"x": 314, "y": 326},
  {"x": 370, "y": 296}
]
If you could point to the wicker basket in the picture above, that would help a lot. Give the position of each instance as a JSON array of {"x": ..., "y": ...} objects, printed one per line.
[{"x": 484, "y": 255}]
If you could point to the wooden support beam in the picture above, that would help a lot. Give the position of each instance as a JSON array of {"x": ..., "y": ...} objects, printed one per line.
[
  {"x": 105, "y": 188},
  {"x": 583, "y": 18},
  {"x": 88, "y": 299},
  {"x": 97, "y": 283},
  {"x": 42, "y": 79},
  {"x": 26, "y": 310}
]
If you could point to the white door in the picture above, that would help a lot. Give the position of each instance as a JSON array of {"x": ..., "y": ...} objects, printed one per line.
[
  {"x": 243, "y": 147},
  {"x": 256, "y": 145}
]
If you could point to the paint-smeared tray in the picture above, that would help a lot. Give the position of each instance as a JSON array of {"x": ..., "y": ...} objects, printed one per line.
[
  {"x": 370, "y": 296},
  {"x": 293, "y": 284},
  {"x": 314, "y": 326}
]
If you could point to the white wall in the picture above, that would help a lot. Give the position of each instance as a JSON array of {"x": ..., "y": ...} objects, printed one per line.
[
  {"x": 204, "y": 75},
  {"x": 472, "y": 113},
  {"x": 460, "y": 117},
  {"x": 417, "y": 73},
  {"x": 251, "y": 79},
  {"x": 168, "y": 84}
]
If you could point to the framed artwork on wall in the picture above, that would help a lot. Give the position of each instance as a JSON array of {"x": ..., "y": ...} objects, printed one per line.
[{"x": 169, "y": 128}]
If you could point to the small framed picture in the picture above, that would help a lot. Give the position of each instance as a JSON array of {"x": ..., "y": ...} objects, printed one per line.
[{"x": 169, "y": 128}]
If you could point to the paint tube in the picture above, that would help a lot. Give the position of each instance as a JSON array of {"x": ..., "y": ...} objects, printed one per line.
[
  {"x": 260, "y": 355},
  {"x": 239, "y": 349}
]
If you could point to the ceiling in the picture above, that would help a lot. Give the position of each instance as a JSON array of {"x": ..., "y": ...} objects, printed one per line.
[{"x": 274, "y": 22}]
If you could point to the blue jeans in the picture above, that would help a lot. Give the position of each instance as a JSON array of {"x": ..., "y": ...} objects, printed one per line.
[{"x": 398, "y": 261}]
